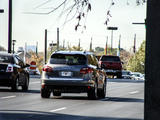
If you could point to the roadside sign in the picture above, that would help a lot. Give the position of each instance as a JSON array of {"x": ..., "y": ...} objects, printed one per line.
[{"x": 33, "y": 65}]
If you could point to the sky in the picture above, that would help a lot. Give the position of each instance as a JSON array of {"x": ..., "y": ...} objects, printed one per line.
[{"x": 30, "y": 28}]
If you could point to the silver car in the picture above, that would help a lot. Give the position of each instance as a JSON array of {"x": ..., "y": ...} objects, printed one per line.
[{"x": 73, "y": 72}]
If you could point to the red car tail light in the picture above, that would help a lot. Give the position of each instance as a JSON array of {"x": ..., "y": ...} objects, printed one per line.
[
  {"x": 48, "y": 69},
  {"x": 86, "y": 70},
  {"x": 9, "y": 68}
]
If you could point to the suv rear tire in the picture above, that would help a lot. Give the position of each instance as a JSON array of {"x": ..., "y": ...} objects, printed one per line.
[
  {"x": 14, "y": 86},
  {"x": 25, "y": 86},
  {"x": 102, "y": 92},
  {"x": 92, "y": 93},
  {"x": 45, "y": 93}
]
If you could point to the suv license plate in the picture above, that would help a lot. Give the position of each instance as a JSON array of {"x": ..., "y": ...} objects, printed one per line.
[{"x": 66, "y": 74}]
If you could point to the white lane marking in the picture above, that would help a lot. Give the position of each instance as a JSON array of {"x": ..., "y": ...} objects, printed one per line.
[
  {"x": 133, "y": 92},
  {"x": 63, "y": 108},
  {"x": 35, "y": 82},
  {"x": 7, "y": 97}
]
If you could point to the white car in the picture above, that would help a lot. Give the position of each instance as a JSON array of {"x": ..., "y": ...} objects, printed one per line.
[
  {"x": 126, "y": 74},
  {"x": 137, "y": 76}
]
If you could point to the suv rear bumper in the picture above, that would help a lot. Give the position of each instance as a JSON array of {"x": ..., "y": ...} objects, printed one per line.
[{"x": 67, "y": 85}]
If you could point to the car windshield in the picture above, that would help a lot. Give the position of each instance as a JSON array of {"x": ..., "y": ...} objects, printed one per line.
[
  {"x": 6, "y": 59},
  {"x": 110, "y": 58},
  {"x": 71, "y": 59}
]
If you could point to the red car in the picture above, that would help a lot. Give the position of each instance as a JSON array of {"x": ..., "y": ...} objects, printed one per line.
[{"x": 112, "y": 65}]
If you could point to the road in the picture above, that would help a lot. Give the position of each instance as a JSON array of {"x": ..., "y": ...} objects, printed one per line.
[{"x": 124, "y": 101}]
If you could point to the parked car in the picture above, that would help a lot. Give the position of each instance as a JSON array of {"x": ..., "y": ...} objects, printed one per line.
[
  {"x": 13, "y": 72},
  {"x": 73, "y": 72},
  {"x": 137, "y": 76},
  {"x": 112, "y": 65},
  {"x": 126, "y": 74}
]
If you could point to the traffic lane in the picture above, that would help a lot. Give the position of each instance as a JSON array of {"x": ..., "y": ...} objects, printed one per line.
[
  {"x": 34, "y": 87},
  {"x": 76, "y": 106},
  {"x": 124, "y": 87},
  {"x": 102, "y": 110},
  {"x": 105, "y": 109}
]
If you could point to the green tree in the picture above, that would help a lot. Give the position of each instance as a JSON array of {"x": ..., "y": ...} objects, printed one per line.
[
  {"x": 125, "y": 56},
  {"x": 136, "y": 62}
]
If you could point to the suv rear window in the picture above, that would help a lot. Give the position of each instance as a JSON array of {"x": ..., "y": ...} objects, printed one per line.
[
  {"x": 71, "y": 59},
  {"x": 110, "y": 58},
  {"x": 6, "y": 59}
]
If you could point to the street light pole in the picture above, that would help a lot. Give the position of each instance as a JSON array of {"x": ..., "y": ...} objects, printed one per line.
[
  {"x": 112, "y": 28},
  {"x": 10, "y": 26},
  {"x": 45, "y": 47}
]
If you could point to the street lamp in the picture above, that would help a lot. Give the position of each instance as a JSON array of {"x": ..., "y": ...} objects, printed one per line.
[
  {"x": 112, "y": 28},
  {"x": 13, "y": 43}
]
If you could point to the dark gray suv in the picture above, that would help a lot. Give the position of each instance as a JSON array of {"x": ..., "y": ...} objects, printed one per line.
[{"x": 73, "y": 72}]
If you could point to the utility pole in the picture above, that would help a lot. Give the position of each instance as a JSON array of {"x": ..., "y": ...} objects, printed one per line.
[
  {"x": 90, "y": 49},
  {"x": 13, "y": 43},
  {"x": 134, "y": 46},
  {"x": 152, "y": 63},
  {"x": 79, "y": 44},
  {"x": 45, "y": 47},
  {"x": 57, "y": 39},
  {"x": 106, "y": 47},
  {"x": 10, "y": 27},
  {"x": 63, "y": 44},
  {"x": 112, "y": 29},
  {"x": 119, "y": 46}
]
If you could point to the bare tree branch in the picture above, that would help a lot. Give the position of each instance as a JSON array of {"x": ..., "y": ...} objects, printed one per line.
[
  {"x": 77, "y": 9},
  {"x": 42, "y": 4}
]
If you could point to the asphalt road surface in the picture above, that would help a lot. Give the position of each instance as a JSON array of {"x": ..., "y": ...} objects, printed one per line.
[{"x": 124, "y": 101}]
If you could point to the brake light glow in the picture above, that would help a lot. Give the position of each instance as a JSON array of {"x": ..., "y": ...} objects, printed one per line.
[
  {"x": 48, "y": 69},
  {"x": 86, "y": 70},
  {"x": 9, "y": 68}
]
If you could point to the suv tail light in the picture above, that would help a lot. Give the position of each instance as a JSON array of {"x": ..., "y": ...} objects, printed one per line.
[
  {"x": 48, "y": 69},
  {"x": 9, "y": 68},
  {"x": 86, "y": 70}
]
